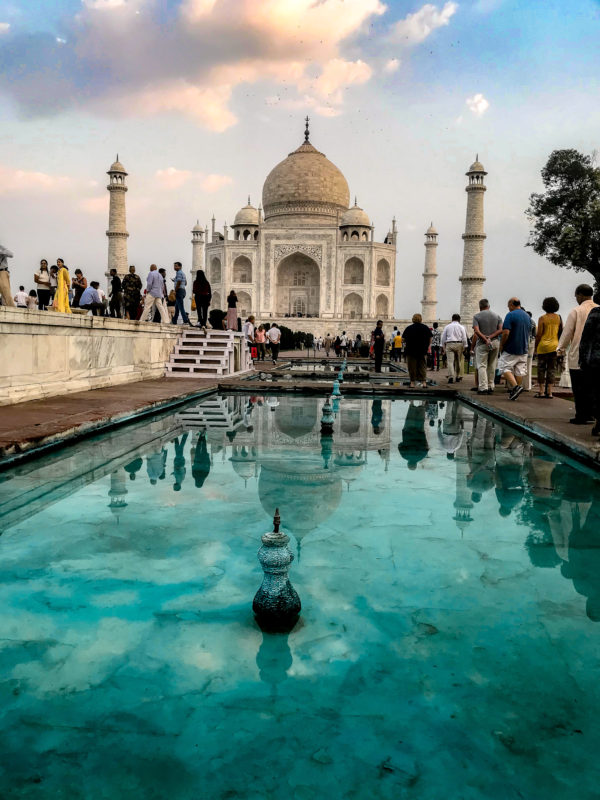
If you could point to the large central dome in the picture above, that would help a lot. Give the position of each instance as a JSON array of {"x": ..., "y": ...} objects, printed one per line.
[{"x": 305, "y": 188}]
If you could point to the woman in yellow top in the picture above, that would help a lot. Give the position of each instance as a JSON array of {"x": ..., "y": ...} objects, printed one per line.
[
  {"x": 61, "y": 298},
  {"x": 549, "y": 329}
]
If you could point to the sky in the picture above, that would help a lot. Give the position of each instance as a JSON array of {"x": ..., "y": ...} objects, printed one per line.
[{"x": 201, "y": 98}]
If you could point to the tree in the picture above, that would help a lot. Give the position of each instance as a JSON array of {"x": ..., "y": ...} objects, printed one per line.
[{"x": 566, "y": 215}]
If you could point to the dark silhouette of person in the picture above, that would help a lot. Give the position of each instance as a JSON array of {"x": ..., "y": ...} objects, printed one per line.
[
  {"x": 414, "y": 446},
  {"x": 133, "y": 467},
  {"x": 179, "y": 462},
  {"x": 376, "y": 416},
  {"x": 201, "y": 462}
]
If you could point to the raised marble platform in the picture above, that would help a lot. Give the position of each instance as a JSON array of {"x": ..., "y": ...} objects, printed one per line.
[{"x": 44, "y": 353}]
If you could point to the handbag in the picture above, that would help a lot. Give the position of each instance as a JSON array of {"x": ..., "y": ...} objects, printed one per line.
[{"x": 254, "y": 352}]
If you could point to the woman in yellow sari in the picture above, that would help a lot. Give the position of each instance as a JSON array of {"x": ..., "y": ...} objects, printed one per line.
[{"x": 61, "y": 298}]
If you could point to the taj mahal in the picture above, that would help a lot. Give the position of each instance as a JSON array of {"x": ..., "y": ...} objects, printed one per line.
[{"x": 307, "y": 253}]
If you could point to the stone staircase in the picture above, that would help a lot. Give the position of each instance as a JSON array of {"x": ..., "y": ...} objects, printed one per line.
[
  {"x": 214, "y": 413},
  {"x": 209, "y": 355}
]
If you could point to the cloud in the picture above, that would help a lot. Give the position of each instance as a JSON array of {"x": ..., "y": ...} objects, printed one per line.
[
  {"x": 95, "y": 205},
  {"x": 19, "y": 181},
  {"x": 172, "y": 179},
  {"x": 477, "y": 104},
  {"x": 4, "y": 27},
  {"x": 415, "y": 28},
  {"x": 391, "y": 65},
  {"x": 122, "y": 56}
]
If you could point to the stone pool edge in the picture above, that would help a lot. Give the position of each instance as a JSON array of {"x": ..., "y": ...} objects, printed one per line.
[{"x": 72, "y": 435}]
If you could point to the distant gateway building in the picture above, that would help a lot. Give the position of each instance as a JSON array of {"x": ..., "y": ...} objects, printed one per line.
[{"x": 310, "y": 253}]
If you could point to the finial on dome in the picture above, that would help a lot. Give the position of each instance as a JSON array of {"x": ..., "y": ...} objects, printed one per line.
[
  {"x": 355, "y": 202},
  {"x": 306, "y": 131},
  {"x": 477, "y": 157},
  {"x": 248, "y": 199},
  {"x": 117, "y": 158}
]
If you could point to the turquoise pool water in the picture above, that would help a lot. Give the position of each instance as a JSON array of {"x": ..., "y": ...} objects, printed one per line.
[{"x": 448, "y": 645}]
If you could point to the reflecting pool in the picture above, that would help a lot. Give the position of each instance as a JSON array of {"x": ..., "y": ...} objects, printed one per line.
[{"x": 448, "y": 645}]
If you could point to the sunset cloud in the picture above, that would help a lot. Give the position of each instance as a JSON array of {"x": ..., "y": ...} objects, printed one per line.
[
  {"x": 172, "y": 179},
  {"x": 415, "y": 28},
  {"x": 214, "y": 46},
  {"x": 4, "y": 27},
  {"x": 17, "y": 181},
  {"x": 477, "y": 104}
]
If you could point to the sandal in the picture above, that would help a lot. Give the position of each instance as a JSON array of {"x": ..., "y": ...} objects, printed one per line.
[
  {"x": 549, "y": 396},
  {"x": 538, "y": 394}
]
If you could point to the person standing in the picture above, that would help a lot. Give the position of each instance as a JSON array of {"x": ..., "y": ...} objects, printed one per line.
[
  {"x": 327, "y": 344},
  {"x": 514, "y": 347},
  {"x": 21, "y": 298},
  {"x": 202, "y": 295},
  {"x": 248, "y": 331},
  {"x": 589, "y": 363},
  {"x": 454, "y": 342},
  {"x": 91, "y": 300},
  {"x": 180, "y": 283},
  {"x": 416, "y": 340},
  {"x": 487, "y": 327},
  {"x": 571, "y": 337},
  {"x": 116, "y": 294},
  {"x": 549, "y": 329},
  {"x": 53, "y": 284},
  {"x": 274, "y": 337},
  {"x": 79, "y": 285},
  {"x": 397, "y": 346},
  {"x": 232, "y": 317},
  {"x": 42, "y": 279},
  {"x": 259, "y": 338},
  {"x": 132, "y": 293},
  {"x": 63, "y": 282},
  {"x": 154, "y": 299},
  {"x": 378, "y": 341},
  {"x": 436, "y": 347},
  {"x": 392, "y": 338},
  {"x": 32, "y": 300},
  {"x": 343, "y": 344},
  {"x": 5, "y": 292}
]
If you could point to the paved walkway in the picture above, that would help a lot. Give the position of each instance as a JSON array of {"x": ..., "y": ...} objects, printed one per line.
[{"x": 27, "y": 426}]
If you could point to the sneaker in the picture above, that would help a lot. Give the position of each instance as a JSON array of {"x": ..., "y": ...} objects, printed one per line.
[
  {"x": 482, "y": 391},
  {"x": 515, "y": 392},
  {"x": 450, "y": 380},
  {"x": 475, "y": 389},
  {"x": 490, "y": 391}
]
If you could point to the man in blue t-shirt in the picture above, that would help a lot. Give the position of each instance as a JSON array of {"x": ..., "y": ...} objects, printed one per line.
[{"x": 514, "y": 346}]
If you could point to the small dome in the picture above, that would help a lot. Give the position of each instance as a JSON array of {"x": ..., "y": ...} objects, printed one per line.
[
  {"x": 118, "y": 167},
  {"x": 431, "y": 230},
  {"x": 197, "y": 227},
  {"x": 247, "y": 215},
  {"x": 477, "y": 166},
  {"x": 355, "y": 216}
]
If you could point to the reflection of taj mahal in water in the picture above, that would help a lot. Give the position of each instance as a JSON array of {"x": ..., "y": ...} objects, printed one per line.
[
  {"x": 279, "y": 445},
  {"x": 306, "y": 252}
]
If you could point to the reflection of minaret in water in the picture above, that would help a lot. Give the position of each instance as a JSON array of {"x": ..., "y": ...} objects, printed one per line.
[
  {"x": 463, "y": 502},
  {"x": 274, "y": 659},
  {"x": 117, "y": 492}
]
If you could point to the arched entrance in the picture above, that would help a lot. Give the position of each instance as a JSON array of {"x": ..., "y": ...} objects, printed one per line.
[{"x": 298, "y": 283}]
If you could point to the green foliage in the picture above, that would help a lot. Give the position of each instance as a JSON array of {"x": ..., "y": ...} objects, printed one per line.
[
  {"x": 295, "y": 340},
  {"x": 566, "y": 215}
]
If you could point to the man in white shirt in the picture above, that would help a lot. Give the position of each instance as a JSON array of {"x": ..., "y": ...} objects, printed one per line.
[
  {"x": 274, "y": 337},
  {"x": 21, "y": 298},
  {"x": 154, "y": 299},
  {"x": 248, "y": 331},
  {"x": 571, "y": 336},
  {"x": 454, "y": 342}
]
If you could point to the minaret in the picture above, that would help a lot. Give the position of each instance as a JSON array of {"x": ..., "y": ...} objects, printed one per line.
[
  {"x": 472, "y": 278},
  {"x": 429, "y": 301},
  {"x": 117, "y": 228},
  {"x": 197, "y": 248}
]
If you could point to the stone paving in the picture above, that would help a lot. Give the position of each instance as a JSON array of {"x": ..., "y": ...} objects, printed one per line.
[{"x": 28, "y": 426}]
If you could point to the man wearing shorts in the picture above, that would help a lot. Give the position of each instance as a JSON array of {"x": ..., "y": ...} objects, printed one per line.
[{"x": 514, "y": 347}]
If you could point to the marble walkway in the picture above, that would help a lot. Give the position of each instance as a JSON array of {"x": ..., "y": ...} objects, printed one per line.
[{"x": 28, "y": 426}]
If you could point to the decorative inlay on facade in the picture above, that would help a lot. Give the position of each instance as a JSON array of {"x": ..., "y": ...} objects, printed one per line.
[{"x": 312, "y": 251}]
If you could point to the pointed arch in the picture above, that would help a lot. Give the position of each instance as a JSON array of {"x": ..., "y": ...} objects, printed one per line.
[
  {"x": 353, "y": 306},
  {"x": 242, "y": 270},
  {"x": 354, "y": 271},
  {"x": 382, "y": 306},
  {"x": 382, "y": 276},
  {"x": 215, "y": 270}
]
